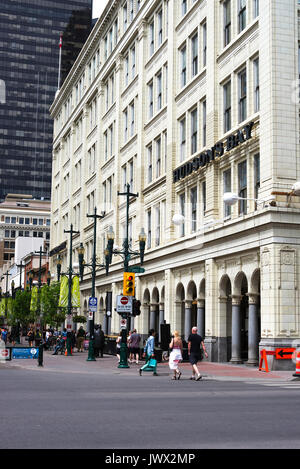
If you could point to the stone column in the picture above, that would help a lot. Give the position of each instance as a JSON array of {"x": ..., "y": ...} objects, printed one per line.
[
  {"x": 253, "y": 332},
  {"x": 104, "y": 326},
  {"x": 153, "y": 309},
  {"x": 161, "y": 317},
  {"x": 236, "y": 347},
  {"x": 201, "y": 317},
  {"x": 187, "y": 319}
]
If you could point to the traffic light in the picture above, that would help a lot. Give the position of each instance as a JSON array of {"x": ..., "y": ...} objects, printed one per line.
[
  {"x": 128, "y": 283},
  {"x": 136, "y": 308}
]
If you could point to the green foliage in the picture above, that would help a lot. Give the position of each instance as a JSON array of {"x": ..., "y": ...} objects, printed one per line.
[
  {"x": 79, "y": 319},
  {"x": 52, "y": 314},
  {"x": 19, "y": 309}
]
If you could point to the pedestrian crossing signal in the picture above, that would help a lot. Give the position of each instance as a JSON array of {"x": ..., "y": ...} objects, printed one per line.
[
  {"x": 128, "y": 283},
  {"x": 136, "y": 308}
]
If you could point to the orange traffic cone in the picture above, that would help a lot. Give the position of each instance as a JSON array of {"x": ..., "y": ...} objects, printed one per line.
[
  {"x": 66, "y": 351},
  {"x": 297, "y": 374}
]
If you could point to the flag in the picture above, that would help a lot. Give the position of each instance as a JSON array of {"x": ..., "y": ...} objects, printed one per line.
[
  {"x": 63, "y": 294},
  {"x": 75, "y": 292},
  {"x": 34, "y": 300}
]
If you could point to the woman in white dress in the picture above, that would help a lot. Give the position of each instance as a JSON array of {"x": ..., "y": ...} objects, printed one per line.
[{"x": 175, "y": 355}]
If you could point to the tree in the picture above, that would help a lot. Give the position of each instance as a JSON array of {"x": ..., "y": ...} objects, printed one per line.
[
  {"x": 52, "y": 314},
  {"x": 19, "y": 311}
]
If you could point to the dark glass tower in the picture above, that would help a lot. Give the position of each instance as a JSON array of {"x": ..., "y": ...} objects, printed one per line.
[{"x": 29, "y": 57}]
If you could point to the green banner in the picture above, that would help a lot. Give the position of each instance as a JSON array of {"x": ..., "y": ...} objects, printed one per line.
[
  {"x": 2, "y": 307},
  {"x": 63, "y": 294},
  {"x": 34, "y": 300},
  {"x": 75, "y": 292}
]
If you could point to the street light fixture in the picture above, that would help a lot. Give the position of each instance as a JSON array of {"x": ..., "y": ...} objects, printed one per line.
[
  {"x": 230, "y": 198},
  {"x": 94, "y": 269},
  {"x": 127, "y": 253}
]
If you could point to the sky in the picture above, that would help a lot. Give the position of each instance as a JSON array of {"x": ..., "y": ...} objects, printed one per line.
[{"x": 98, "y": 7}]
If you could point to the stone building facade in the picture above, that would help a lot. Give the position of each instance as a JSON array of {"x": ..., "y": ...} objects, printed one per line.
[{"x": 185, "y": 101}]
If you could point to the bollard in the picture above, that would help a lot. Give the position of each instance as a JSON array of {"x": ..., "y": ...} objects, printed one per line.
[{"x": 40, "y": 357}]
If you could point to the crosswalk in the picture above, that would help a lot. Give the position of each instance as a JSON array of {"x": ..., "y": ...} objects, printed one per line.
[{"x": 291, "y": 385}]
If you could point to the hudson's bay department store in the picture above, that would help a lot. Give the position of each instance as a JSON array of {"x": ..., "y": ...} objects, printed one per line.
[{"x": 186, "y": 101}]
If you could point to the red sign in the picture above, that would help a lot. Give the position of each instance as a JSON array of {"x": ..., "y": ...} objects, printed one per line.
[
  {"x": 124, "y": 300},
  {"x": 284, "y": 353},
  {"x": 4, "y": 353}
]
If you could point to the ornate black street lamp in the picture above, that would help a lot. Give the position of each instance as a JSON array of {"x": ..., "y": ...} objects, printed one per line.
[
  {"x": 127, "y": 253},
  {"x": 70, "y": 274},
  {"x": 94, "y": 269}
]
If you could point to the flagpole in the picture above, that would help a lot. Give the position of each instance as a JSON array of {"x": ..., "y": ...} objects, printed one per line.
[{"x": 59, "y": 63}]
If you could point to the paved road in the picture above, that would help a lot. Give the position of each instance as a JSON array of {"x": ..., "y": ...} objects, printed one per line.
[{"x": 71, "y": 403}]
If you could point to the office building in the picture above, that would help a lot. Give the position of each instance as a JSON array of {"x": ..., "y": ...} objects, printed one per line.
[
  {"x": 187, "y": 101},
  {"x": 29, "y": 57}
]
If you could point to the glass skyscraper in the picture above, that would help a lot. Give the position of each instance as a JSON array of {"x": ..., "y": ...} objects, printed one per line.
[{"x": 29, "y": 56}]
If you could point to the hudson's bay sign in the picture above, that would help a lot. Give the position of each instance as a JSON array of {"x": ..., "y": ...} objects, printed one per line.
[{"x": 216, "y": 151}]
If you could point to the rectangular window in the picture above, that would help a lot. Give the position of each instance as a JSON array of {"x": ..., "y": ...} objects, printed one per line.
[
  {"x": 150, "y": 164},
  {"x": 159, "y": 28},
  {"x": 151, "y": 39},
  {"x": 182, "y": 212},
  {"x": 204, "y": 123},
  {"x": 182, "y": 139},
  {"x": 227, "y": 188},
  {"x": 193, "y": 196},
  {"x": 194, "y": 131},
  {"x": 126, "y": 70},
  {"x": 159, "y": 91},
  {"x": 204, "y": 48},
  {"x": 256, "y": 84},
  {"x": 158, "y": 157},
  {"x": 256, "y": 8},
  {"x": 183, "y": 7},
  {"x": 256, "y": 177},
  {"x": 227, "y": 22},
  {"x": 241, "y": 15},
  {"x": 242, "y": 187},
  {"x": 132, "y": 119},
  {"x": 203, "y": 197},
  {"x": 150, "y": 94},
  {"x": 194, "y": 55},
  {"x": 131, "y": 175},
  {"x": 133, "y": 62},
  {"x": 149, "y": 229},
  {"x": 242, "y": 90},
  {"x": 157, "y": 226},
  {"x": 183, "y": 66},
  {"x": 125, "y": 17},
  {"x": 227, "y": 106},
  {"x": 125, "y": 117}
]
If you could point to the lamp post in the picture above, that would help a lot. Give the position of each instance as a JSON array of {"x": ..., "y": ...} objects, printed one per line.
[
  {"x": 40, "y": 253},
  {"x": 93, "y": 266},
  {"x": 70, "y": 274},
  {"x": 21, "y": 265},
  {"x": 6, "y": 290},
  {"x": 127, "y": 253}
]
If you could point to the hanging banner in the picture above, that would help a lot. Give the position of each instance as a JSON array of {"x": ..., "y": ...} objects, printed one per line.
[
  {"x": 63, "y": 294},
  {"x": 34, "y": 300},
  {"x": 75, "y": 292},
  {"x": 2, "y": 307}
]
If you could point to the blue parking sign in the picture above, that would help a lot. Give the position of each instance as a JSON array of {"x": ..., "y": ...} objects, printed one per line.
[{"x": 93, "y": 304}]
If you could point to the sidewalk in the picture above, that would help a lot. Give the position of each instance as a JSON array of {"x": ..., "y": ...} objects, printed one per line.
[{"x": 77, "y": 363}]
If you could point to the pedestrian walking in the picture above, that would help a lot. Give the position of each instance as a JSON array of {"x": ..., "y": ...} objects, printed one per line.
[
  {"x": 175, "y": 355},
  {"x": 30, "y": 336},
  {"x": 80, "y": 339},
  {"x": 151, "y": 362},
  {"x": 4, "y": 335},
  {"x": 195, "y": 347},
  {"x": 98, "y": 341},
  {"x": 134, "y": 346}
]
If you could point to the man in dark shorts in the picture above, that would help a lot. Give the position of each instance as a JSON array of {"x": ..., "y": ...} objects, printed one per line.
[{"x": 195, "y": 342}]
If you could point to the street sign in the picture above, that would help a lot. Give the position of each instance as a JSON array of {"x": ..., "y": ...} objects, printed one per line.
[
  {"x": 25, "y": 352},
  {"x": 284, "y": 353},
  {"x": 123, "y": 324},
  {"x": 93, "y": 304},
  {"x": 5, "y": 354},
  {"x": 136, "y": 269},
  {"x": 124, "y": 304}
]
